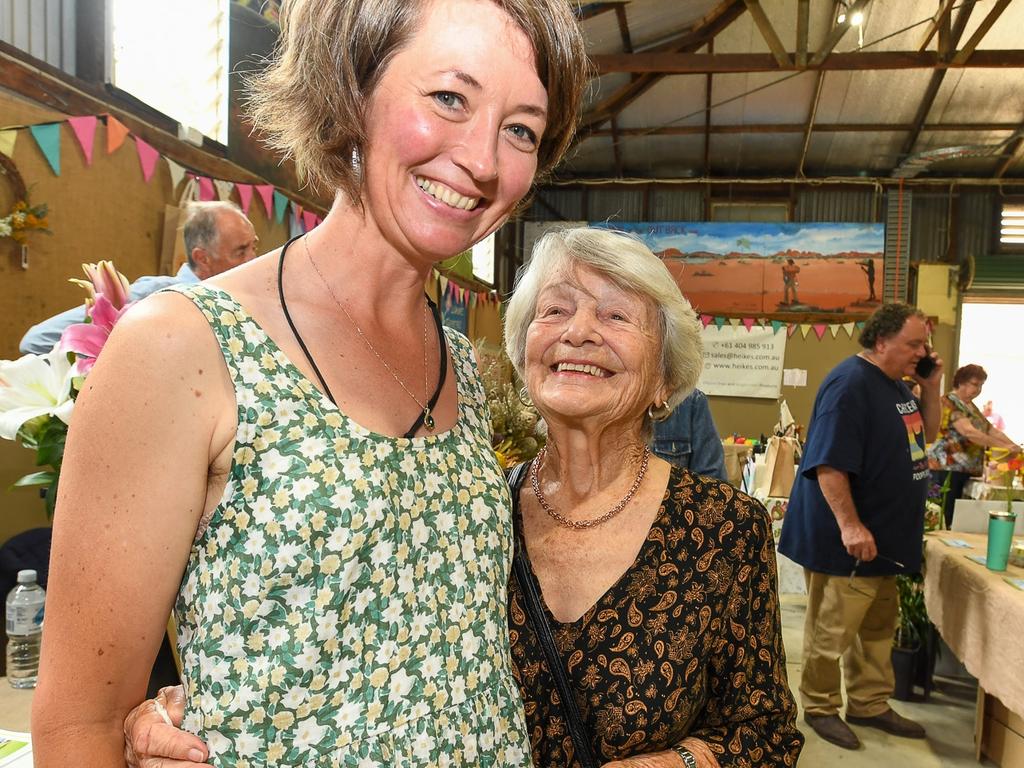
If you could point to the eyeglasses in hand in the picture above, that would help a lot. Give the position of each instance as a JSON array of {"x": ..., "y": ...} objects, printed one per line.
[{"x": 857, "y": 563}]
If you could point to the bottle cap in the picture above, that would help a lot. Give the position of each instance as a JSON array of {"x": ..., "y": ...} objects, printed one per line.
[{"x": 28, "y": 576}]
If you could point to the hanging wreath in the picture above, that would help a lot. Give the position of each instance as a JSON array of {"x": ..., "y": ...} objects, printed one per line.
[{"x": 24, "y": 217}]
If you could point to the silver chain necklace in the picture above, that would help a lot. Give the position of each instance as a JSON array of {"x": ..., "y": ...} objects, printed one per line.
[
  {"x": 582, "y": 525},
  {"x": 428, "y": 419}
]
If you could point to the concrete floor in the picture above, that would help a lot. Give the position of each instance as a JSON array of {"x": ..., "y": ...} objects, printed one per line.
[{"x": 948, "y": 716}]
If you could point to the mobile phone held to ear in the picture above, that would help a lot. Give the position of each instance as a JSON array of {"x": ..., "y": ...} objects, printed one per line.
[{"x": 925, "y": 365}]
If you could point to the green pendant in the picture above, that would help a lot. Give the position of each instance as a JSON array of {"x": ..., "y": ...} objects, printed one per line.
[{"x": 428, "y": 420}]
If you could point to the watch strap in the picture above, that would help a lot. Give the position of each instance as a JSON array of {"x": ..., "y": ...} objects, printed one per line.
[{"x": 688, "y": 759}]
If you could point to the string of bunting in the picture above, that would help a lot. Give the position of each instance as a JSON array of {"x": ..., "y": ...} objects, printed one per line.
[
  {"x": 818, "y": 329},
  {"x": 459, "y": 294},
  {"x": 47, "y": 138}
]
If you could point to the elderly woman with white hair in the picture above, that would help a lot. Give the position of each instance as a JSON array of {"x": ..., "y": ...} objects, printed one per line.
[
  {"x": 649, "y": 590},
  {"x": 658, "y": 585}
]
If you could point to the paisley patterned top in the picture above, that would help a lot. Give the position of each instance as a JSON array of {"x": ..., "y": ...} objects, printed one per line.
[
  {"x": 345, "y": 605},
  {"x": 688, "y": 642}
]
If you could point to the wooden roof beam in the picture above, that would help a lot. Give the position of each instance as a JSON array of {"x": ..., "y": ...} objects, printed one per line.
[
  {"x": 692, "y": 39},
  {"x": 939, "y": 20},
  {"x": 781, "y": 128},
  {"x": 591, "y": 10},
  {"x": 718, "y": 63},
  {"x": 803, "y": 17},
  {"x": 968, "y": 52},
  {"x": 836, "y": 34},
  {"x": 809, "y": 126},
  {"x": 627, "y": 42},
  {"x": 768, "y": 32},
  {"x": 948, "y": 42}
]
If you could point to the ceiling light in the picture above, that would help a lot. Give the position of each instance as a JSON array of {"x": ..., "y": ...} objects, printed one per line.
[
  {"x": 841, "y": 18},
  {"x": 857, "y": 19}
]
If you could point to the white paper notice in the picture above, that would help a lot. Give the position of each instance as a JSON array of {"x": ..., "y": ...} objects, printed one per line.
[
  {"x": 742, "y": 363},
  {"x": 794, "y": 377}
]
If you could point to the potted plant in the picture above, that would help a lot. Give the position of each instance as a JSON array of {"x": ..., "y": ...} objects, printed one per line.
[{"x": 913, "y": 653}]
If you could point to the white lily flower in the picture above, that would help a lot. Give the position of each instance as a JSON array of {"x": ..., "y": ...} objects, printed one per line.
[{"x": 35, "y": 385}]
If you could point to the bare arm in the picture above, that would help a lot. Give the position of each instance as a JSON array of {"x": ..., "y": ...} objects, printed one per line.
[
  {"x": 702, "y": 754},
  {"x": 835, "y": 487},
  {"x": 133, "y": 487},
  {"x": 993, "y": 439}
]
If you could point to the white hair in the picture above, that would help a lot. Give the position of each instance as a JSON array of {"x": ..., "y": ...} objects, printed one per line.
[{"x": 629, "y": 264}]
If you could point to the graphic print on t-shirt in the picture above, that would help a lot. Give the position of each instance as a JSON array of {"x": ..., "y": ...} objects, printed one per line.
[{"x": 915, "y": 436}]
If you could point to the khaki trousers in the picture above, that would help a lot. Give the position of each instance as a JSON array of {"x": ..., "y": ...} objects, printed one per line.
[{"x": 854, "y": 620}]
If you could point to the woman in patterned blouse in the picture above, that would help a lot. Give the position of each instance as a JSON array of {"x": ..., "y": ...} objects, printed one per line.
[{"x": 664, "y": 609}]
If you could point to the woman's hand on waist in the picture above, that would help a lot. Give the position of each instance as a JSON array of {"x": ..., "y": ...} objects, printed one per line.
[{"x": 153, "y": 737}]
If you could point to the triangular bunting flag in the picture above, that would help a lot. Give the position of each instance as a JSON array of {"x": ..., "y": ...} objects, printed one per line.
[
  {"x": 84, "y": 129},
  {"x": 205, "y": 188},
  {"x": 266, "y": 193},
  {"x": 7, "y": 139},
  {"x": 819, "y": 330},
  {"x": 776, "y": 325},
  {"x": 191, "y": 187},
  {"x": 734, "y": 322},
  {"x": 705, "y": 320},
  {"x": 244, "y": 196},
  {"x": 280, "y": 204},
  {"x": 116, "y": 133},
  {"x": 848, "y": 327},
  {"x": 860, "y": 325},
  {"x": 47, "y": 136},
  {"x": 834, "y": 329},
  {"x": 791, "y": 329},
  {"x": 297, "y": 215},
  {"x": 147, "y": 158},
  {"x": 719, "y": 322},
  {"x": 177, "y": 173},
  {"x": 442, "y": 283},
  {"x": 309, "y": 219},
  {"x": 804, "y": 329},
  {"x": 748, "y": 323},
  {"x": 224, "y": 188}
]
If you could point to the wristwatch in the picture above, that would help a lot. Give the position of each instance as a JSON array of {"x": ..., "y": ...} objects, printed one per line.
[{"x": 688, "y": 759}]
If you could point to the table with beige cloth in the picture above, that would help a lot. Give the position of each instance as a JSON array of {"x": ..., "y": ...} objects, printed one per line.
[
  {"x": 980, "y": 616},
  {"x": 15, "y": 707}
]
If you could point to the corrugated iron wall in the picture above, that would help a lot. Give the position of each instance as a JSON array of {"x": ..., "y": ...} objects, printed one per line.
[
  {"x": 848, "y": 205},
  {"x": 42, "y": 28}
]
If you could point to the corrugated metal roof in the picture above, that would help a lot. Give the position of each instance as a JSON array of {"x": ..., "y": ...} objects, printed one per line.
[{"x": 866, "y": 121}]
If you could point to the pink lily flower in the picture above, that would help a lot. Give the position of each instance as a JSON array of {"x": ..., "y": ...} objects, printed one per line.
[
  {"x": 87, "y": 339},
  {"x": 104, "y": 279}
]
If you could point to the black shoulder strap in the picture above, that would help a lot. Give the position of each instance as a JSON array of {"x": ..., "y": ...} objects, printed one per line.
[{"x": 570, "y": 709}]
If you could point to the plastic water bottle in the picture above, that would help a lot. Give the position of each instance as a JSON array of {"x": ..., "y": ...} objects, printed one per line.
[{"x": 25, "y": 605}]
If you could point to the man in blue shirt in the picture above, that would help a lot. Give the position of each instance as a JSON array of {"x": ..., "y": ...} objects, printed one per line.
[
  {"x": 856, "y": 519},
  {"x": 218, "y": 237},
  {"x": 688, "y": 438}
]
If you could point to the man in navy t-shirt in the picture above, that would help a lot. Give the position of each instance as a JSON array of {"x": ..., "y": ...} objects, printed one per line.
[{"x": 855, "y": 520}]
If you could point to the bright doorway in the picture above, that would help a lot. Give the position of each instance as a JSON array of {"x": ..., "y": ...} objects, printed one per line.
[{"x": 990, "y": 336}]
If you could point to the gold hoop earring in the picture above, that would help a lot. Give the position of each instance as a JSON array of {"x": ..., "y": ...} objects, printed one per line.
[{"x": 658, "y": 413}]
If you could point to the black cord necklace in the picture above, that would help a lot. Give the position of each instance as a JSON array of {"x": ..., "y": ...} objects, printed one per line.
[{"x": 309, "y": 357}]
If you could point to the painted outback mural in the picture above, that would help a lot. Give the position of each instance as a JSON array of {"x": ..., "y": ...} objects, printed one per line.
[{"x": 736, "y": 268}]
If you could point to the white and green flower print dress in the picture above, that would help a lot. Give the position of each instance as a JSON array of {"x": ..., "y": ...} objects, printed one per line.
[{"x": 345, "y": 604}]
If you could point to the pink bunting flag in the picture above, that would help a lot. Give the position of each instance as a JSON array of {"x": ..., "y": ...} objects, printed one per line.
[
  {"x": 84, "y": 128},
  {"x": 206, "y": 188},
  {"x": 819, "y": 330},
  {"x": 705, "y": 320},
  {"x": 748, "y": 323},
  {"x": 147, "y": 158},
  {"x": 309, "y": 220},
  {"x": 244, "y": 196},
  {"x": 297, "y": 213},
  {"x": 791, "y": 329},
  {"x": 266, "y": 193}
]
